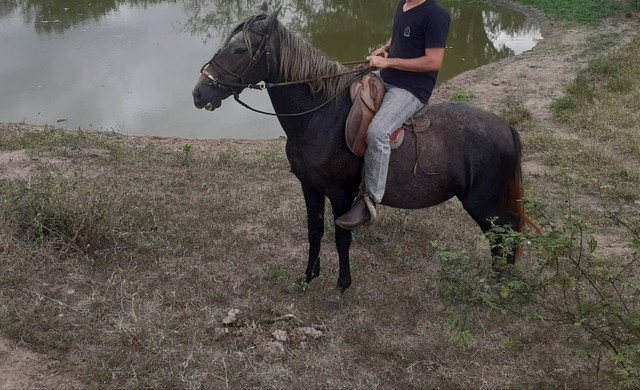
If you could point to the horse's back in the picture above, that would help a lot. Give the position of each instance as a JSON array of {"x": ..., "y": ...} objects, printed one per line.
[{"x": 463, "y": 146}]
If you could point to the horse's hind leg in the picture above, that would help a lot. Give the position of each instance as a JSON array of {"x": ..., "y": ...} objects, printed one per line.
[{"x": 487, "y": 213}]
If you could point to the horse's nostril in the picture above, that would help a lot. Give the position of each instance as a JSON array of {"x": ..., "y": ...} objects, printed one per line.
[{"x": 196, "y": 94}]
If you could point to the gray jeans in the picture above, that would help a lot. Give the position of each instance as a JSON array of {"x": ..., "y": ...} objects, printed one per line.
[{"x": 398, "y": 106}]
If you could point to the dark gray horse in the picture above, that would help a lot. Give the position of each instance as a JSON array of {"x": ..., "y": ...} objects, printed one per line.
[{"x": 468, "y": 153}]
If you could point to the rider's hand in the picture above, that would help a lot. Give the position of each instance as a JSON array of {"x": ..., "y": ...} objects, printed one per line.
[
  {"x": 378, "y": 62},
  {"x": 382, "y": 52}
]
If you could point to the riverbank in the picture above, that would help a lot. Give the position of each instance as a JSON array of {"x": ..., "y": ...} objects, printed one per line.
[{"x": 122, "y": 258}]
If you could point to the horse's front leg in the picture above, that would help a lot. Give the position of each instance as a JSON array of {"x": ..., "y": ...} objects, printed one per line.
[{"x": 314, "y": 201}]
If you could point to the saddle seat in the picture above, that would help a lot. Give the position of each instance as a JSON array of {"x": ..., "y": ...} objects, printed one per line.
[{"x": 367, "y": 94}]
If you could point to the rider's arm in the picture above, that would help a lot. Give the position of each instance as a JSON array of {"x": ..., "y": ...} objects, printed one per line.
[{"x": 430, "y": 62}]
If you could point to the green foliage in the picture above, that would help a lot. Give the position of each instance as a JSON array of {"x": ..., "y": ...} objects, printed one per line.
[
  {"x": 504, "y": 241},
  {"x": 573, "y": 285},
  {"x": 460, "y": 277}
]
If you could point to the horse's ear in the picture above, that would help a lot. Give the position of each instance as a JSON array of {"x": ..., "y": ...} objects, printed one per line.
[
  {"x": 273, "y": 18},
  {"x": 263, "y": 7}
]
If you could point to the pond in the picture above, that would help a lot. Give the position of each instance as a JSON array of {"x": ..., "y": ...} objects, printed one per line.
[{"x": 129, "y": 65}]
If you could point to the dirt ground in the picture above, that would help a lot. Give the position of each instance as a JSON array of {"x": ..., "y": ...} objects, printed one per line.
[{"x": 534, "y": 78}]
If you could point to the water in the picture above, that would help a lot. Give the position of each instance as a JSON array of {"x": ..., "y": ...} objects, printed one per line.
[{"x": 129, "y": 65}]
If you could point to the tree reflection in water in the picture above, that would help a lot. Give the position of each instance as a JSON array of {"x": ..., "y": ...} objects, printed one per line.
[
  {"x": 344, "y": 29},
  {"x": 350, "y": 29}
]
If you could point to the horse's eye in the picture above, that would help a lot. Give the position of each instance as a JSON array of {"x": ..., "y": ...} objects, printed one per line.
[{"x": 240, "y": 50}]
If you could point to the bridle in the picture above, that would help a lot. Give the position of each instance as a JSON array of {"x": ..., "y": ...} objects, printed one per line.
[
  {"x": 262, "y": 50},
  {"x": 237, "y": 82}
]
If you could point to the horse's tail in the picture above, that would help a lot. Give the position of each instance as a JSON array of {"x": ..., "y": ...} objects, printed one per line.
[{"x": 515, "y": 192}]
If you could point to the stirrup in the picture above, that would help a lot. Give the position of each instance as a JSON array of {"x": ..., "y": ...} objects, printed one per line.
[{"x": 371, "y": 206}]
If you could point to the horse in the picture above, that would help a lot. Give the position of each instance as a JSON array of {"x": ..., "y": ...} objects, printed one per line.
[{"x": 467, "y": 152}]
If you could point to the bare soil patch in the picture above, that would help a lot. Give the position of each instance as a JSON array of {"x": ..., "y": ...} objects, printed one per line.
[{"x": 24, "y": 369}]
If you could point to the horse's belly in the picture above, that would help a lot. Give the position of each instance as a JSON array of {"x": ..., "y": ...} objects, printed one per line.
[{"x": 408, "y": 192}]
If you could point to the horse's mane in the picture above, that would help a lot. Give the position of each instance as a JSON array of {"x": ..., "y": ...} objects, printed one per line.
[{"x": 299, "y": 61}]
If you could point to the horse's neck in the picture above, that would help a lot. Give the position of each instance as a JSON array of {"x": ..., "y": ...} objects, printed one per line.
[
  {"x": 299, "y": 98},
  {"x": 292, "y": 99},
  {"x": 326, "y": 122}
]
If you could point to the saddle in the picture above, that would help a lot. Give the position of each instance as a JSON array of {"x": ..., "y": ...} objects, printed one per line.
[{"x": 367, "y": 94}]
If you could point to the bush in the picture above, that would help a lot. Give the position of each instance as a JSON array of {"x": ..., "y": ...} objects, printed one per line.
[{"x": 591, "y": 295}]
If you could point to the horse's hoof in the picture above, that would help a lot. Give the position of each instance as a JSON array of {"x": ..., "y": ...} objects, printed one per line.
[{"x": 334, "y": 301}]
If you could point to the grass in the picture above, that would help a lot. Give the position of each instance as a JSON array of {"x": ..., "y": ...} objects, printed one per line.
[
  {"x": 591, "y": 193},
  {"x": 581, "y": 11},
  {"x": 462, "y": 96},
  {"x": 601, "y": 107},
  {"x": 125, "y": 268},
  {"x": 515, "y": 113}
]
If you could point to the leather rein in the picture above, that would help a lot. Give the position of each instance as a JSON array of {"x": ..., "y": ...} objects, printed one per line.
[{"x": 262, "y": 50}]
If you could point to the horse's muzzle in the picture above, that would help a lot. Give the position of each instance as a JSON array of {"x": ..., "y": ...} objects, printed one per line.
[
  {"x": 206, "y": 102},
  {"x": 210, "y": 106}
]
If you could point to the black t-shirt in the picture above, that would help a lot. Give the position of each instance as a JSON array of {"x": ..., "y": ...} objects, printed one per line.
[{"x": 422, "y": 27}]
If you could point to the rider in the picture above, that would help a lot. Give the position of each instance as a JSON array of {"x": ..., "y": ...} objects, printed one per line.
[{"x": 409, "y": 64}]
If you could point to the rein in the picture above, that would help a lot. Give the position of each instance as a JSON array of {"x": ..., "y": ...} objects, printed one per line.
[
  {"x": 325, "y": 77},
  {"x": 233, "y": 86},
  {"x": 216, "y": 82},
  {"x": 260, "y": 86},
  {"x": 358, "y": 72}
]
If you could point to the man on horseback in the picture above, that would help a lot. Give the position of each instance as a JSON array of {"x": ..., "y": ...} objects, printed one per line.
[{"x": 409, "y": 65}]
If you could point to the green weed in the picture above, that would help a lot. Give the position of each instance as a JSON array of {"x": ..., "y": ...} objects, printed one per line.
[
  {"x": 462, "y": 96},
  {"x": 515, "y": 113},
  {"x": 460, "y": 335},
  {"x": 229, "y": 156},
  {"x": 186, "y": 155},
  {"x": 276, "y": 273}
]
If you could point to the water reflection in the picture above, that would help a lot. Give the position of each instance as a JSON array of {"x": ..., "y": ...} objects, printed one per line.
[
  {"x": 510, "y": 32},
  {"x": 57, "y": 16},
  {"x": 129, "y": 65},
  {"x": 350, "y": 29}
]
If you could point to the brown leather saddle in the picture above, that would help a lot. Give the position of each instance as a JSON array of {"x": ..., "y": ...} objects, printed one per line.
[{"x": 367, "y": 94}]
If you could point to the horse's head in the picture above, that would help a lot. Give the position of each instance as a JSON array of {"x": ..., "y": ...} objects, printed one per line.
[{"x": 243, "y": 59}]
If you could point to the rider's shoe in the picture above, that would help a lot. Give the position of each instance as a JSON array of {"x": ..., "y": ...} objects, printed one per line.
[{"x": 363, "y": 212}]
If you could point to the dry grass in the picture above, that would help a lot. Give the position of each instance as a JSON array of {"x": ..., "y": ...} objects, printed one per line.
[{"x": 126, "y": 274}]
